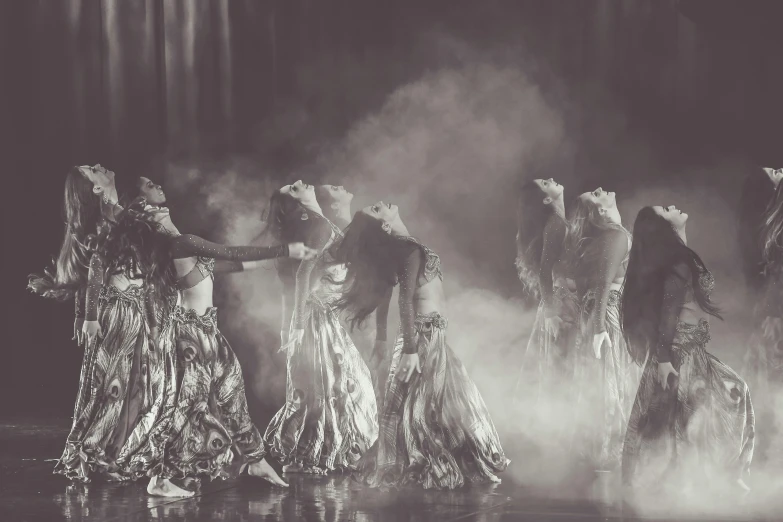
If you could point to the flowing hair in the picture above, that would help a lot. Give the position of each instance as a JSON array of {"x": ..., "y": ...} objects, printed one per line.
[
  {"x": 585, "y": 225},
  {"x": 756, "y": 210},
  {"x": 82, "y": 219},
  {"x": 532, "y": 217},
  {"x": 656, "y": 252},
  {"x": 372, "y": 258},
  {"x": 771, "y": 231}
]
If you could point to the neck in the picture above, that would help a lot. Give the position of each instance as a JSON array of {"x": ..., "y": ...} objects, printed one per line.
[
  {"x": 343, "y": 215},
  {"x": 681, "y": 233},
  {"x": 313, "y": 207},
  {"x": 399, "y": 229},
  {"x": 558, "y": 206}
]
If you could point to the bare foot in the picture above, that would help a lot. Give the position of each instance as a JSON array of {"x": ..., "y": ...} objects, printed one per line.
[
  {"x": 296, "y": 467},
  {"x": 265, "y": 471},
  {"x": 165, "y": 488}
]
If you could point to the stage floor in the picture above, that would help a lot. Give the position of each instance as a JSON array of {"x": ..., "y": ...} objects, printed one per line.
[{"x": 30, "y": 492}]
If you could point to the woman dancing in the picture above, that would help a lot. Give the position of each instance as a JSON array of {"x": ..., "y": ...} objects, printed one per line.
[
  {"x": 211, "y": 432},
  {"x": 763, "y": 364},
  {"x": 541, "y": 268},
  {"x": 692, "y": 422},
  {"x": 330, "y": 416},
  {"x": 123, "y": 379},
  {"x": 605, "y": 377},
  {"x": 335, "y": 203},
  {"x": 435, "y": 429}
]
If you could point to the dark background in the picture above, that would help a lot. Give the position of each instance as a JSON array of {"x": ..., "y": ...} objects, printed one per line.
[{"x": 135, "y": 83}]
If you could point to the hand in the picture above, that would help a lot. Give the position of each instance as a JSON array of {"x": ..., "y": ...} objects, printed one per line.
[
  {"x": 296, "y": 336},
  {"x": 91, "y": 331},
  {"x": 772, "y": 328},
  {"x": 154, "y": 335},
  {"x": 300, "y": 251},
  {"x": 78, "y": 324},
  {"x": 409, "y": 363},
  {"x": 552, "y": 325},
  {"x": 598, "y": 342},
  {"x": 664, "y": 370}
]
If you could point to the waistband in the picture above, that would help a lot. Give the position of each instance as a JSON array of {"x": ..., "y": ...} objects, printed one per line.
[
  {"x": 430, "y": 320},
  {"x": 186, "y": 316},
  {"x": 614, "y": 297},
  {"x": 689, "y": 334},
  {"x": 134, "y": 294}
]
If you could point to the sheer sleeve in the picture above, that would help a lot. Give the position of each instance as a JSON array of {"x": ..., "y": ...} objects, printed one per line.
[
  {"x": 382, "y": 316},
  {"x": 408, "y": 282},
  {"x": 554, "y": 235},
  {"x": 674, "y": 294},
  {"x": 188, "y": 245},
  {"x": 224, "y": 266},
  {"x": 94, "y": 285},
  {"x": 613, "y": 249},
  {"x": 78, "y": 308},
  {"x": 318, "y": 239}
]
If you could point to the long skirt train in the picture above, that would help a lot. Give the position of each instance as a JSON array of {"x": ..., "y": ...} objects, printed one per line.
[
  {"x": 699, "y": 433},
  {"x": 329, "y": 419},
  {"x": 435, "y": 431},
  {"x": 211, "y": 433}
]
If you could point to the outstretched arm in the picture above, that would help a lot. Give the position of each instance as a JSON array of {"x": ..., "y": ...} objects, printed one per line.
[
  {"x": 188, "y": 245},
  {"x": 613, "y": 249},
  {"x": 554, "y": 235},
  {"x": 674, "y": 292}
]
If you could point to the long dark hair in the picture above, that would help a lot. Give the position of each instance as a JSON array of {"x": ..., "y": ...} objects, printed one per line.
[
  {"x": 655, "y": 253},
  {"x": 772, "y": 233},
  {"x": 532, "y": 217},
  {"x": 756, "y": 200},
  {"x": 372, "y": 258},
  {"x": 82, "y": 218}
]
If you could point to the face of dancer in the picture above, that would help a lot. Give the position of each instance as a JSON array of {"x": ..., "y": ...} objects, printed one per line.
[
  {"x": 552, "y": 190},
  {"x": 102, "y": 180},
  {"x": 339, "y": 195},
  {"x": 673, "y": 215},
  {"x": 606, "y": 203},
  {"x": 386, "y": 213},
  {"x": 775, "y": 175},
  {"x": 151, "y": 192},
  {"x": 302, "y": 192}
]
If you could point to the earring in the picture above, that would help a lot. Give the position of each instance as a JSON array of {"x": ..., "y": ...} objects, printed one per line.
[
  {"x": 386, "y": 228},
  {"x": 304, "y": 216}
]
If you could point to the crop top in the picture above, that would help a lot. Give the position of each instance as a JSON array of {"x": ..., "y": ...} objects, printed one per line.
[
  {"x": 420, "y": 265},
  {"x": 677, "y": 292}
]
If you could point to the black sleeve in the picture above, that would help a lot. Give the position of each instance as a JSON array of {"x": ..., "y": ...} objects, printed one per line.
[
  {"x": 554, "y": 235},
  {"x": 409, "y": 279},
  {"x": 613, "y": 249},
  {"x": 79, "y": 297},
  {"x": 188, "y": 245},
  {"x": 674, "y": 293}
]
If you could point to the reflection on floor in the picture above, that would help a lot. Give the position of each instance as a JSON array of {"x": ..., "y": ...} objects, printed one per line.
[{"x": 29, "y": 492}]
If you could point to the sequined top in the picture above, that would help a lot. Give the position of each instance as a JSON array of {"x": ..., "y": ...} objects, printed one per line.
[
  {"x": 677, "y": 293},
  {"x": 420, "y": 266}
]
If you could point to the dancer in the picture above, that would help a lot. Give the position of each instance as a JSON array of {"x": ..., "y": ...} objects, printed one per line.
[
  {"x": 121, "y": 366},
  {"x": 330, "y": 416},
  {"x": 211, "y": 432},
  {"x": 692, "y": 423},
  {"x": 605, "y": 378},
  {"x": 541, "y": 267},
  {"x": 335, "y": 203},
  {"x": 435, "y": 429},
  {"x": 763, "y": 364}
]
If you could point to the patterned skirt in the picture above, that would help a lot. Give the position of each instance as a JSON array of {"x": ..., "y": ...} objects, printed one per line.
[
  {"x": 211, "y": 433},
  {"x": 329, "y": 419},
  {"x": 763, "y": 371},
  {"x": 123, "y": 389},
  {"x": 435, "y": 430},
  {"x": 604, "y": 389},
  {"x": 548, "y": 363},
  {"x": 700, "y": 431}
]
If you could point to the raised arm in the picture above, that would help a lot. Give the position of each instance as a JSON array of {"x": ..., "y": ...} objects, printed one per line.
[
  {"x": 613, "y": 248},
  {"x": 318, "y": 239},
  {"x": 554, "y": 235},
  {"x": 409, "y": 279},
  {"x": 674, "y": 292},
  {"x": 188, "y": 245}
]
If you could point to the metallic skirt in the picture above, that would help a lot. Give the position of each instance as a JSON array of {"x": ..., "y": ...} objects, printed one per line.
[{"x": 435, "y": 430}]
